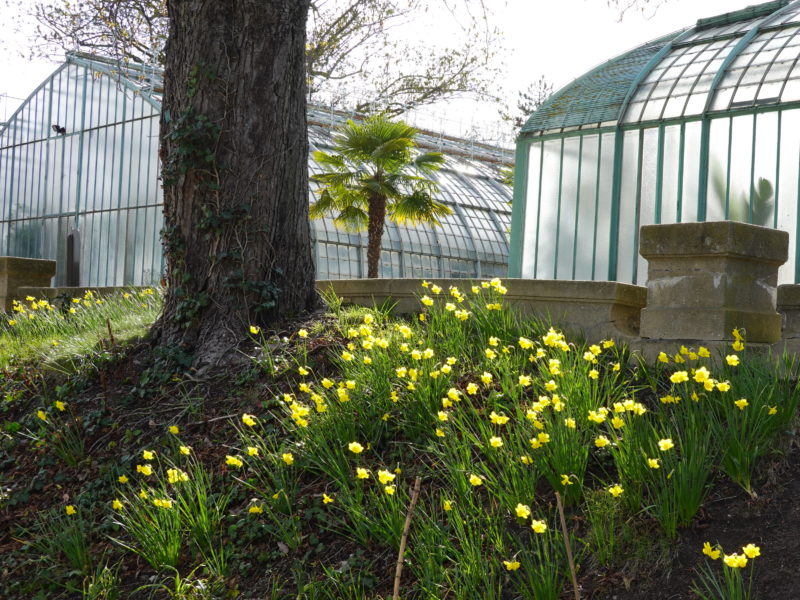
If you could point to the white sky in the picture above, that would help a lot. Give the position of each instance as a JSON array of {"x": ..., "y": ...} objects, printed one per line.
[{"x": 560, "y": 39}]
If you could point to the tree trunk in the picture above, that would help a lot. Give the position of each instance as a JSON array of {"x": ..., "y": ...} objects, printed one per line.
[
  {"x": 377, "y": 217},
  {"x": 234, "y": 154}
]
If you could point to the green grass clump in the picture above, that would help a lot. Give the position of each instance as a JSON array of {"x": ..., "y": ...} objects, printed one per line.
[{"x": 60, "y": 331}]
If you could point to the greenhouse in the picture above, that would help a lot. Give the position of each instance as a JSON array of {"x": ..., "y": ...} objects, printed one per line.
[
  {"x": 699, "y": 125},
  {"x": 79, "y": 175}
]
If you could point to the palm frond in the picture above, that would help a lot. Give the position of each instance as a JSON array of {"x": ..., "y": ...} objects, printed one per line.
[
  {"x": 418, "y": 207},
  {"x": 429, "y": 162},
  {"x": 352, "y": 219}
]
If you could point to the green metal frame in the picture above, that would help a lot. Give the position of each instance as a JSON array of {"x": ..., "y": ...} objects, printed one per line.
[{"x": 516, "y": 247}]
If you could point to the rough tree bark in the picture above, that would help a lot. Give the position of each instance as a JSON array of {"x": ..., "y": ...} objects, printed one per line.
[
  {"x": 376, "y": 213},
  {"x": 234, "y": 152}
]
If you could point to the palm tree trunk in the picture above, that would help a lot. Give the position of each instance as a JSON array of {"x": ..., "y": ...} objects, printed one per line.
[{"x": 377, "y": 217}]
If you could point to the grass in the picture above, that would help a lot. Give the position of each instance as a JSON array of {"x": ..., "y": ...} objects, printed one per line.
[
  {"x": 61, "y": 331},
  {"x": 495, "y": 412}
]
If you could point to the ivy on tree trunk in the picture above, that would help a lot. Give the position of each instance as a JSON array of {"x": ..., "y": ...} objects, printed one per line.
[{"x": 234, "y": 153}]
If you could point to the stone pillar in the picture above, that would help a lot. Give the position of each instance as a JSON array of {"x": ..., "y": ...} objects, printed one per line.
[
  {"x": 705, "y": 279},
  {"x": 18, "y": 272}
]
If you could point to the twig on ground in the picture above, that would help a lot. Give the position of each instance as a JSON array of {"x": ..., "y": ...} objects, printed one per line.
[
  {"x": 565, "y": 534},
  {"x": 399, "y": 570}
]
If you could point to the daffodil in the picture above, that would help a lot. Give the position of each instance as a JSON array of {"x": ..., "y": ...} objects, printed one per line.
[
  {"x": 751, "y": 551},
  {"x": 511, "y": 565},
  {"x": 538, "y": 526},
  {"x": 385, "y": 476},
  {"x": 475, "y": 480},
  {"x": 665, "y": 444},
  {"x": 355, "y": 447},
  {"x": 233, "y": 461},
  {"x": 523, "y": 511},
  {"x": 712, "y": 553}
]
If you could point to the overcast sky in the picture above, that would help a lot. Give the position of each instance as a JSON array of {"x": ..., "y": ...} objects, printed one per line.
[{"x": 560, "y": 39}]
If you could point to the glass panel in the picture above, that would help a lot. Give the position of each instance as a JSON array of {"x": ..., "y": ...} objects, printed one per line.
[
  {"x": 647, "y": 202},
  {"x": 627, "y": 208},
  {"x": 567, "y": 213},
  {"x": 669, "y": 187},
  {"x": 741, "y": 155},
  {"x": 586, "y": 211},
  {"x": 691, "y": 171},
  {"x": 762, "y": 194},
  {"x": 603, "y": 215},
  {"x": 717, "y": 169},
  {"x": 788, "y": 190},
  {"x": 548, "y": 210}
]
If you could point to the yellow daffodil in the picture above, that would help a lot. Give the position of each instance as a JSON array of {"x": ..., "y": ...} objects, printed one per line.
[
  {"x": 751, "y": 551},
  {"x": 679, "y": 377},
  {"x": 288, "y": 458},
  {"x": 475, "y": 480},
  {"x": 385, "y": 476},
  {"x": 233, "y": 461},
  {"x": 601, "y": 441},
  {"x": 665, "y": 444},
  {"x": 712, "y": 553},
  {"x": 511, "y": 565},
  {"x": 523, "y": 511},
  {"x": 735, "y": 561},
  {"x": 538, "y": 526},
  {"x": 355, "y": 447},
  {"x": 615, "y": 490}
]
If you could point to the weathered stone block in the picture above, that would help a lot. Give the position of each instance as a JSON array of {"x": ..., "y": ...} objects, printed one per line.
[
  {"x": 789, "y": 309},
  {"x": 17, "y": 272},
  {"x": 598, "y": 309},
  {"x": 704, "y": 279}
]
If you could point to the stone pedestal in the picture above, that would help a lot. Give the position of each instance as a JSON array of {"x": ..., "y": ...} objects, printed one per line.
[
  {"x": 18, "y": 272},
  {"x": 705, "y": 279}
]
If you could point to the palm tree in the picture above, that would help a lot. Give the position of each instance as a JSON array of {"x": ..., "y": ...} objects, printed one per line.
[{"x": 375, "y": 172}]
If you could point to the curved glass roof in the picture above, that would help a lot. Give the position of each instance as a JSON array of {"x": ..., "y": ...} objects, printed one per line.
[{"x": 736, "y": 61}]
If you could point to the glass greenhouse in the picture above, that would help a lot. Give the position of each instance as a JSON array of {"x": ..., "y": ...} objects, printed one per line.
[
  {"x": 79, "y": 179},
  {"x": 702, "y": 124}
]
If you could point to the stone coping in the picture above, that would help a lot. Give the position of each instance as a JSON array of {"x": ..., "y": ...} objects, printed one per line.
[
  {"x": 597, "y": 309},
  {"x": 714, "y": 238},
  {"x": 72, "y": 292}
]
